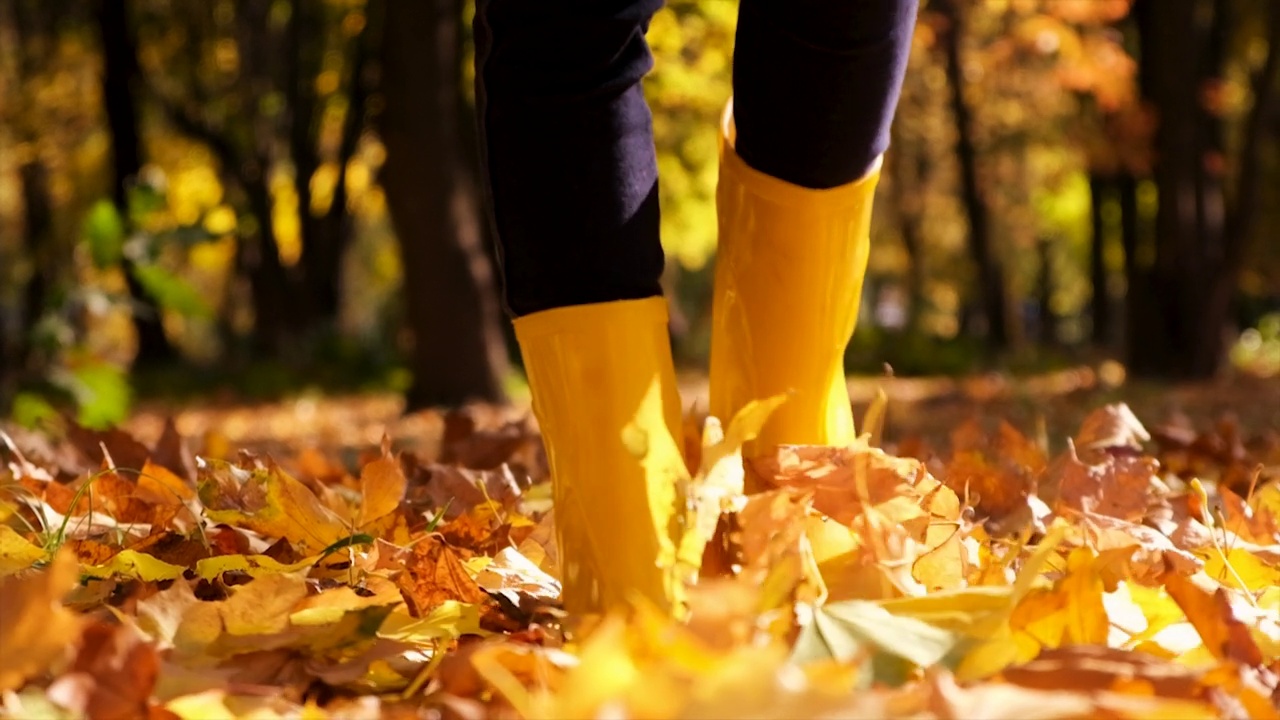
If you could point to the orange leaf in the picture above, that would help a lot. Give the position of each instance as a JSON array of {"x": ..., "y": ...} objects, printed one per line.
[
  {"x": 382, "y": 485},
  {"x": 1224, "y": 635},
  {"x": 434, "y": 574}
]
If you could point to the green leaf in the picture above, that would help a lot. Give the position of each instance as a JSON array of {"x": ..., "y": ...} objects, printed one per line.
[
  {"x": 145, "y": 200},
  {"x": 104, "y": 230},
  {"x": 30, "y": 409},
  {"x": 843, "y": 631},
  {"x": 346, "y": 542},
  {"x": 171, "y": 291},
  {"x": 101, "y": 391}
]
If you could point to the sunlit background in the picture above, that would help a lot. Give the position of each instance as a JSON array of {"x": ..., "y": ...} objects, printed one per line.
[{"x": 193, "y": 198}]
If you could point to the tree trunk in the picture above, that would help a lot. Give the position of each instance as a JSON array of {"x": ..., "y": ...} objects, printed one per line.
[
  {"x": 1050, "y": 323},
  {"x": 908, "y": 167},
  {"x": 303, "y": 48},
  {"x": 1137, "y": 294},
  {"x": 1100, "y": 302},
  {"x": 275, "y": 306},
  {"x": 432, "y": 196},
  {"x": 1201, "y": 241},
  {"x": 119, "y": 92},
  {"x": 993, "y": 305},
  {"x": 38, "y": 237}
]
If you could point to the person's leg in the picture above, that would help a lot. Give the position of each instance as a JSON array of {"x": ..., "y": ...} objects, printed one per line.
[
  {"x": 567, "y": 147},
  {"x": 816, "y": 83},
  {"x": 570, "y": 167}
]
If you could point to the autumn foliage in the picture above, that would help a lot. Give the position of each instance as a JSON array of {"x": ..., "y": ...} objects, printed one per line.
[{"x": 997, "y": 582}]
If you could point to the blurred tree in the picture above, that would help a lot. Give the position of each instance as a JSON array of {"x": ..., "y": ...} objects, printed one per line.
[
  {"x": 992, "y": 309},
  {"x": 120, "y": 79},
  {"x": 274, "y": 89},
  {"x": 433, "y": 199},
  {"x": 33, "y": 26},
  {"x": 1180, "y": 302}
]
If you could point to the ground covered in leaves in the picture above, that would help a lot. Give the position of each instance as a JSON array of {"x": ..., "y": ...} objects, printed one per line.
[{"x": 1129, "y": 572}]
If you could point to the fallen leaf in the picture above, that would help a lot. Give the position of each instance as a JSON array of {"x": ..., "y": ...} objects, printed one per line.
[
  {"x": 1111, "y": 427},
  {"x": 997, "y": 475},
  {"x": 112, "y": 676},
  {"x": 125, "y": 452},
  {"x": 433, "y": 574},
  {"x": 254, "y": 565},
  {"x": 1224, "y": 635},
  {"x": 172, "y": 452},
  {"x": 160, "y": 615},
  {"x": 1116, "y": 486},
  {"x": 34, "y": 620},
  {"x": 16, "y": 552},
  {"x": 269, "y": 501},
  {"x": 382, "y": 486},
  {"x": 136, "y": 565},
  {"x": 158, "y": 485},
  {"x": 512, "y": 575},
  {"x": 843, "y": 631},
  {"x": 1090, "y": 668}
]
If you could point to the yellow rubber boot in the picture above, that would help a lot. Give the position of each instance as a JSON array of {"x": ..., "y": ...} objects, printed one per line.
[
  {"x": 788, "y": 282},
  {"x": 603, "y": 388}
]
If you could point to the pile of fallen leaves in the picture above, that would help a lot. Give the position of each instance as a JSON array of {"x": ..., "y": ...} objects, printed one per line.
[{"x": 999, "y": 582}]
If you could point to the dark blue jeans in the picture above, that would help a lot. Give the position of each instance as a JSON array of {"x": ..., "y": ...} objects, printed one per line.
[{"x": 566, "y": 134}]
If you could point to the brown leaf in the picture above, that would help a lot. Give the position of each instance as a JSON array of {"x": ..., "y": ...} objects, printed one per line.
[
  {"x": 125, "y": 451},
  {"x": 1110, "y": 428},
  {"x": 172, "y": 452},
  {"x": 998, "y": 474},
  {"x": 838, "y": 477},
  {"x": 1116, "y": 486},
  {"x": 470, "y": 446},
  {"x": 433, "y": 574},
  {"x": 113, "y": 674},
  {"x": 171, "y": 547},
  {"x": 1092, "y": 668},
  {"x": 461, "y": 489}
]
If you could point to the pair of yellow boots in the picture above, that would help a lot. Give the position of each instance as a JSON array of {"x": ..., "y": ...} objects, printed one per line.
[{"x": 788, "y": 280}]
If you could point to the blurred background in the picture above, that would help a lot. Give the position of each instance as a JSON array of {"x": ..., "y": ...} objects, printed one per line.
[{"x": 251, "y": 198}]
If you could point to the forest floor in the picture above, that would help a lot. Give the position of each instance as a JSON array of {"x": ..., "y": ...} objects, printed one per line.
[
  {"x": 1060, "y": 546},
  {"x": 920, "y": 410}
]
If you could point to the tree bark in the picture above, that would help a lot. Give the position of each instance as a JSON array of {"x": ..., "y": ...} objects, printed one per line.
[
  {"x": 1180, "y": 331},
  {"x": 120, "y": 78},
  {"x": 907, "y": 167},
  {"x": 432, "y": 195},
  {"x": 1100, "y": 302},
  {"x": 37, "y": 206},
  {"x": 1050, "y": 323},
  {"x": 991, "y": 284}
]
